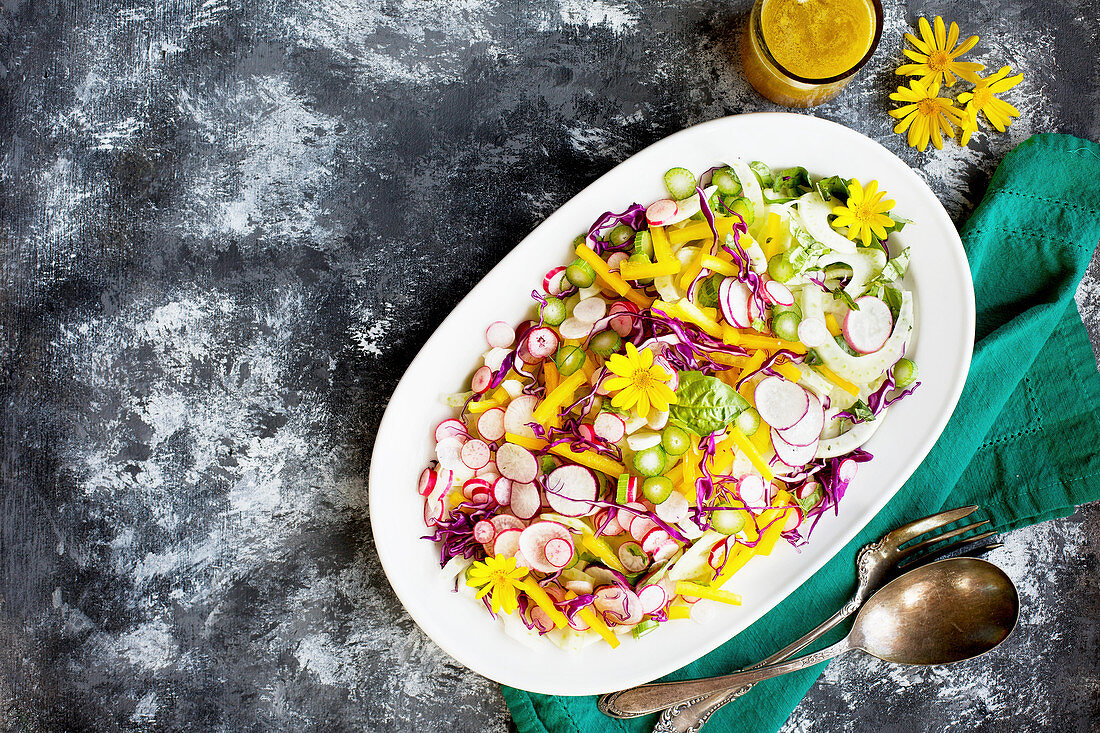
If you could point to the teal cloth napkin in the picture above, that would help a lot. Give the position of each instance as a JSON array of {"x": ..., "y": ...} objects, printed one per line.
[{"x": 1021, "y": 442}]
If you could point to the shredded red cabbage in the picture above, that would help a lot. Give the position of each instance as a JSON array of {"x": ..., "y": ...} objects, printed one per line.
[
  {"x": 769, "y": 363},
  {"x": 633, "y": 217},
  {"x": 456, "y": 535},
  {"x": 877, "y": 400}
]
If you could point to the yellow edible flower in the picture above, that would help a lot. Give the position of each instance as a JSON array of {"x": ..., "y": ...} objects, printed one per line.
[
  {"x": 925, "y": 114},
  {"x": 936, "y": 55},
  {"x": 864, "y": 213},
  {"x": 639, "y": 383},
  {"x": 997, "y": 112},
  {"x": 497, "y": 575}
]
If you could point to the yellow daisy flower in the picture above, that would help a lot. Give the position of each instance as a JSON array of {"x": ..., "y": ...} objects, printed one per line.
[
  {"x": 936, "y": 55},
  {"x": 639, "y": 383},
  {"x": 497, "y": 575},
  {"x": 997, "y": 112},
  {"x": 925, "y": 114},
  {"x": 864, "y": 213}
]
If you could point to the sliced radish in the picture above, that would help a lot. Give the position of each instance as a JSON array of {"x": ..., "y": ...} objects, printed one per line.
[
  {"x": 807, "y": 490},
  {"x": 517, "y": 463},
  {"x": 794, "y": 456},
  {"x": 450, "y": 429},
  {"x": 524, "y": 500},
  {"x": 867, "y": 329},
  {"x": 813, "y": 332},
  {"x": 778, "y": 293},
  {"x": 599, "y": 376},
  {"x": 490, "y": 424},
  {"x": 672, "y": 509},
  {"x": 494, "y": 358},
  {"x": 502, "y": 491},
  {"x": 617, "y": 605},
  {"x": 780, "y": 403},
  {"x": 517, "y": 416},
  {"x": 633, "y": 557},
  {"x": 661, "y": 211},
  {"x": 753, "y": 490},
  {"x": 717, "y": 556},
  {"x": 610, "y": 526},
  {"x": 808, "y": 429},
  {"x": 615, "y": 260},
  {"x": 665, "y": 551},
  {"x": 571, "y": 489},
  {"x": 554, "y": 283},
  {"x": 580, "y": 587},
  {"x": 587, "y": 432},
  {"x": 475, "y": 453},
  {"x": 590, "y": 310},
  {"x": 626, "y": 518},
  {"x": 481, "y": 380},
  {"x": 433, "y": 511},
  {"x": 533, "y": 541},
  {"x": 847, "y": 470},
  {"x": 622, "y": 325},
  {"x": 428, "y": 479},
  {"x": 539, "y": 344},
  {"x": 574, "y": 328},
  {"x": 449, "y": 453},
  {"x": 489, "y": 471},
  {"x": 794, "y": 518},
  {"x": 734, "y": 297},
  {"x": 559, "y": 552},
  {"x": 652, "y": 597},
  {"x": 641, "y": 526},
  {"x": 500, "y": 335},
  {"x": 502, "y": 522},
  {"x": 654, "y": 539},
  {"x": 506, "y": 542},
  {"x": 473, "y": 485},
  {"x": 610, "y": 427},
  {"x": 484, "y": 531}
]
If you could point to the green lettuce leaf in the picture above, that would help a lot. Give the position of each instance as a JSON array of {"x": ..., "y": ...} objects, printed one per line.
[{"x": 705, "y": 404}]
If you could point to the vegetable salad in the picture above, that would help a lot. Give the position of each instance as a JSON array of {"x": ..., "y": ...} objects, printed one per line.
[{"x": 691, "y": 390}]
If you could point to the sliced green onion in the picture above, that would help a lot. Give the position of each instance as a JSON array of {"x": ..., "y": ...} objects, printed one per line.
[
  {"x": 606, "y": 343},
  {"x": 553, "y": 311},
  {"x": 726, "y": 181},
  {"x": 657, "y": 488},
  {"x": 905, "y": 373},
  {"x": 651, "y": 461},
  {"x": 780, "y": 267},
  {"x": 675, "y": 441},
  {"x": 569, "y": 359},
  {"x": 680, "y": 182},
  {"x": 748, "y": 422},
  {"x": 580, "y": 273}
]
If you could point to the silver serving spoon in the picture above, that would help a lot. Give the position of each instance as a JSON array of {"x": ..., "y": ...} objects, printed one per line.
[{"x": 943, "y": 612}]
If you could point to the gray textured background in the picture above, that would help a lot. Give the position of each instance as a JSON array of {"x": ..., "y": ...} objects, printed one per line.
[{"x": 226, "y": 228}]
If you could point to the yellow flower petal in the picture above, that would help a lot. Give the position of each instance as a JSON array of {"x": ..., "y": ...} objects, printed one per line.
[
  {"x": 940, "y": 36},
  {"x": 964, "y": 46},
  {"x": 952, "y": 35},
  {"x": 645, "y": 356},
  {"x": 623, "y": 399},
  {"x": 643, "y": 404},
  {"x": 614, "y": 384},
  {"x": 926, "y": 32},
  {"x": 917, "y": 43}
]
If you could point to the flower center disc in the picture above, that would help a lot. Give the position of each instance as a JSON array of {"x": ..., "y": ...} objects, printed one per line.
[{"x": 938, "y": 60}]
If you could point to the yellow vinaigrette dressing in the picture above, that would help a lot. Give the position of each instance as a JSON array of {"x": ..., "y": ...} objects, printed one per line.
[{"x": 802, "y": 52}]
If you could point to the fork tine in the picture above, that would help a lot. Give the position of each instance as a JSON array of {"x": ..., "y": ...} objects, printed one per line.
[
  {"x": 950, "y": 549},
  {"x": 915, "y": 529},
  {"x": 905, "y": 552}
]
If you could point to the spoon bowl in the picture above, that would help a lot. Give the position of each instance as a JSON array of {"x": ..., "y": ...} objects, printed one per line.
[{"x": 943, "y": 612}]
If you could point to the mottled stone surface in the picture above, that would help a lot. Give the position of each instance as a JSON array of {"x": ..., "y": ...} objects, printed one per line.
[{"x": 227, "y": 227}]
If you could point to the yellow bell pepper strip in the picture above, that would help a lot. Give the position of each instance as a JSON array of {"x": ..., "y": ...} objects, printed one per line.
[
  {"x": 603, "y": 551},
  {"x": 591, "y": 459},
  {"x": 483, "y": 406},
  {"x": 687, "y": 588},
  {"x": 754, "y": 340},
  {"x": 690, "y": 232},
  {"x": 612, "y": 279},
  {"x": 693, "y": 314},
  {"x": 594, "y": 622},
  {"x": 722, "y": 267},
  {"x": 662, "y": 251},
  {"x": 788, "y": 370},
  {"x": 557, "y": 399},
  {"x": 778, "y": 517},
  {"x": 550, "y": 375},
  {"x": 754, "y": 362},
  {"x": 730, "y": 360},
  {"x": 693, "y": 269},
  {"x": 736, "y": 560},
  {"x": 762, "y": 438},
  {"x": 524, "y": 442},
  {"x": 535, "y": 592},
  {"x": 770, "y": 243},
  {"x": 690, "y": 473},
  {"x": 679, "y": 610},
  {"x": 832, "y": 325},
  {"x": 730, "y": 335},
  {"x": 646, "y": 270},
  {"x": 836, "y": 379},
  {"x": 751, "y": 453}
]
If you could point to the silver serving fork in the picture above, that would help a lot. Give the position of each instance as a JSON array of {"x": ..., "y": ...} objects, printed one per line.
[{"x": 875, "y": 564}]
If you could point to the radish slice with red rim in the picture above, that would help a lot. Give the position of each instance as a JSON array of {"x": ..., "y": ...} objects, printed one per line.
[
  {"x": 474, "y": 484},
  {"x": 794, "y": 456},
  {"x": 506, "y": 543},
  {"x": 428, "y": 479},
  {"x": 558, "y": 552},
  {"x": 778, "y": 293},
  {"x": 806, "y": 431},
  {"x": 451, "y": 429},
  {"x": 481, "y": 380},
  {"x": 502, "y": 491},
  {"x": 867, "y": 329},
  {"x": 813, "y": 332},
  {"x": 554, "y": 282},
  {"x": 661, "y": 211},
  {"x": 641, "y": 526},
  {"x": 449, "y": 453},
  {"x": 610, "y": 427},
  {"x": 672, "y": 509},
  {"x": 847, "y": 470},
  {"x": 475, "y": 454},
  {"x": 620, "y": 324},
  {"x": 654, "y": 539},
  {"x": 665, "y": 551},
  {"x": 794, "y": 518},
  {"x": 633, "y": 557},
  {"x": 500, "y": 335},
  {"x": 570, "y": 491},
  {"x": 780, "y": 403},
  {"x": 484, "y": 531},
  {"x": 618, "y": 605},
  {"x": 587, "y": 432},
  {"x": 615, "y": 260},
  {"x": 517, "y": 417},
  {"x": 517, "y": 463},
  {"x": 590, "y": 310},
  {"x": 753, "y": 490},
  {"x": 652, "y": 597},
  {"x": 541, "y": 343},
  {"x": 525, "y": 500},
  {"x": 533, "y": 541},
  {"x": 734, "y": 297},
  {"x": 490, "y": 424}
]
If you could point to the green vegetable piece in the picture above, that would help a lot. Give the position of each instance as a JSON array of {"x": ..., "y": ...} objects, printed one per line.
[
  {"x": 657, "y": 488},
  {"x": 833, "y": 187},
  {"x": 706, "y": 293},
  {"x": 744, "y": 208},
  {"x": 727, "y": 520},
  {"x": 905, "y": 373},
  {"x": 644, "y": 627},
  {"x": 580, "y": 273},
  {"x": 620, "y": 235},
  {"x": 621, "y": 488},
  {"x": 705, "y": 404},
  {"x": 748, "y": 422},
  {"x": 680, "y": 182},
  {"x": 726, "y": 181},
  {"x": 780, "y": 267},
  {"x": 785, "y": 326},
  {"x": 553, "y": 311},
  {"x": 763, "y": 173},
  {"x": 547, "y": 464},
  {"x": 651, "y": 461},
  {"x": 606, "y": 343},
  {"x": 569, "y": 359},
  {"x": 643, "y": 244},
  {"x": 675, "y": 441}
]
